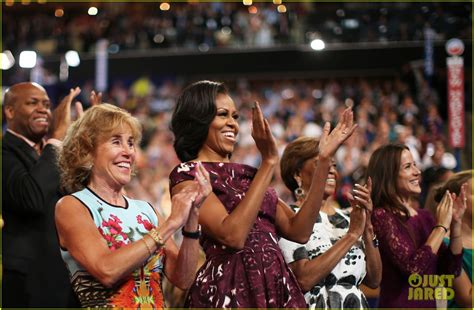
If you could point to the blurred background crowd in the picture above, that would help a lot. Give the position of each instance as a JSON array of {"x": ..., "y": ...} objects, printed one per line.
[
  {"x": 135, "y": 26},
  {"x": 403, "y": 104}
]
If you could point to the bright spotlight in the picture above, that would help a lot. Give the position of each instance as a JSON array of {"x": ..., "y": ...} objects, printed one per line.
[
  {"x": 72, "y": 59},
  {"x": 318, "y": 45},
  {"x": 6, "y": 60},
  {"x": 92, "y": 11},
  {"x": 28, "y": 59},
  {"x": 165, "y": 6}
]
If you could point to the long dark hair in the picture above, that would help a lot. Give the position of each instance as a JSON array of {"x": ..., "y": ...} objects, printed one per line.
[
  {"x": 383, "y": 169},
  {"x": 192, "y": 116}
]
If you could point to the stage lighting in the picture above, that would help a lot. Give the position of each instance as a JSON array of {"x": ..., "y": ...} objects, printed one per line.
[
  {"x": 6, "y": 60},
  {"x": 72, "y": 59},
  {"x": 28, "y": 59},
  {"x": 59, "y": 13},
  {"x": 318, "y": 45},
  {"x": 92, "y": 11},
  {"x": 281, "y": 8},
  {"x": 165, "y": 6}
]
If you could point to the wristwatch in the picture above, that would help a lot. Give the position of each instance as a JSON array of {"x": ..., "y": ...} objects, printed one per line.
[
  {"x": 192, "y": 234},
  {"x": 375, "y": 241}
]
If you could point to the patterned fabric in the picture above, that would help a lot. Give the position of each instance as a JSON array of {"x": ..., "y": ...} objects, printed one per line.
[
  {"x": 403, "y": 252},
  {"x": 340, "y": 289},
  {"x": 119, "y": 227},
  {"x": 254, "y": 277}
]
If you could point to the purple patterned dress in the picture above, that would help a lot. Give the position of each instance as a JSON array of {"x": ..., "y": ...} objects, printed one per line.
[{"x": 254, "y": 277}]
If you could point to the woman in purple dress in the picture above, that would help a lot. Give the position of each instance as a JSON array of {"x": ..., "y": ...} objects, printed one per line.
[
  {"x": 242, "y": 219},
  {"x": 411, "y": 240}
]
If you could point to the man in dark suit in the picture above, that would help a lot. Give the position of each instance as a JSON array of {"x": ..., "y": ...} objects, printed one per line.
[{"x": 34, "y": 274}]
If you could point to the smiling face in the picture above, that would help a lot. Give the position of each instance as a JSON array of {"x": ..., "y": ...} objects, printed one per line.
[
  {"x": 223, "y": 130},
  {"x": 114, "y": 158},
  {"x": 307, "y": 171},
  {"x": 28, "y": 110},
  {"x": 408, "y": 181}
]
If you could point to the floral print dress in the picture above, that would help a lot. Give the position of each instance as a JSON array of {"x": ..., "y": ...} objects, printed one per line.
[
  {"x": 119, "y": 226},
  {"x": 340, "y": 289},
  {"x": 255, "y": 276}
]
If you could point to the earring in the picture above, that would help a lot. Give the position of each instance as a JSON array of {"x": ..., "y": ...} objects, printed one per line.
[
  {"x": 88, "y": 166},
  {"x": 299, "y": 192}
]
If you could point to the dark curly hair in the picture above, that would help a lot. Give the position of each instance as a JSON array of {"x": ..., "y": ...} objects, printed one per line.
[{"x": 192, "y": 116}]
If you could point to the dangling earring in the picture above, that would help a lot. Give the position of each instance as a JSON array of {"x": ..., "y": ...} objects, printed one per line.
[{"x": 299, "y": 192}]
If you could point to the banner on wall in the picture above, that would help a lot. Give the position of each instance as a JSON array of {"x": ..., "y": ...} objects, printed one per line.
[{"x": 455, "y": 68}]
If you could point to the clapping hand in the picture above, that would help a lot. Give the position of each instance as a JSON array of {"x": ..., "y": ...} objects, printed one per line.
[
  {"x": 94, "y": 99},
  {"x": 444, "y": 211},
  {"x": 362, "y": 195},
  {"x": 62, "y": 114},
  {"x": 181, "y": 205},
  {"x": 331, "y": 140},
  {"x": 203, "y": 184},
  {"x": 263, "y": 137},
  {"x": 459, "y": 205}
]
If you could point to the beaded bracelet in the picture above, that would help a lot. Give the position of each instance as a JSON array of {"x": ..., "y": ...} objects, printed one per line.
[{"x": 441, "y": 226}]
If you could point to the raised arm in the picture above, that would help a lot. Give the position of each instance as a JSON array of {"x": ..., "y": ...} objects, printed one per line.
[
  {"x": 27, "y": 187},
  {"x": 298, "y": 227}
]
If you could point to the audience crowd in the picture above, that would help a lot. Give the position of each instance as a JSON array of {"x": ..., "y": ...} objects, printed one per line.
[
  {"x": 386, "y": 110},
  {"x": 140, "y": 26}
]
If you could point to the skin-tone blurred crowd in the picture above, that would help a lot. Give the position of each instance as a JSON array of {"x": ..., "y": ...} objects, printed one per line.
[{"x": 80, "y": 230}]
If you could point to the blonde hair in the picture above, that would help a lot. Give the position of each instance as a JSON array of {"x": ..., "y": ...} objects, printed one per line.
[
  {"x": 453, "y": 184},
  {"x": 77, "y": 154}
]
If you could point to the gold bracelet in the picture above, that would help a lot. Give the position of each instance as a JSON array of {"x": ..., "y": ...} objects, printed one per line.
[
  {"x": 147, "y": 246},
  {"x": 155, "y": 235}
]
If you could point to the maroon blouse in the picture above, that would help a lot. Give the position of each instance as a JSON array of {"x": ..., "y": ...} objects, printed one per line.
[{"x": 403, "y": 252}]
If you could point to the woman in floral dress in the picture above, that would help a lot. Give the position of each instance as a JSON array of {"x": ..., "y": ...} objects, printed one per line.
[
  {"x": 117, "y": 248},
  {"x": 342, "y": 251},
  {"x": 242, "y": 219}
]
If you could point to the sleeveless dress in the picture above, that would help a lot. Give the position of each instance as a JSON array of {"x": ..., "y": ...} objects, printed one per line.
[
  {"x": 340, "y": 289},
  {"x": 119, "y": 226},
  {"x": 254, "y": 277}
]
